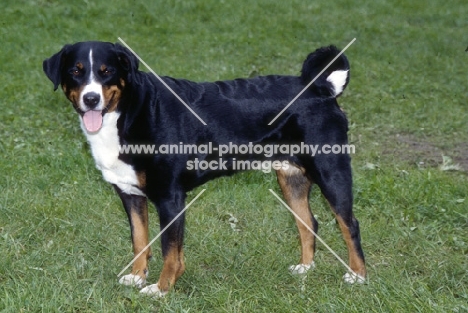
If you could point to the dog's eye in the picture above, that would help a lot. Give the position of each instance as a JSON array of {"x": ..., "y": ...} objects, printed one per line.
[
  {"x": 75, "y": 71},
  {"x": 107, "y": 71}
]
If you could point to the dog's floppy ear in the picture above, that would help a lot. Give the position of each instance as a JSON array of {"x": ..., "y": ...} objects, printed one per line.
[
  {"x": 129, "y": 63},
  {"x": 53, "y": 66}
]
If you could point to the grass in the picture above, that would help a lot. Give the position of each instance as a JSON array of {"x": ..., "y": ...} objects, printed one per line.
[{"x": 64, "y": 236}]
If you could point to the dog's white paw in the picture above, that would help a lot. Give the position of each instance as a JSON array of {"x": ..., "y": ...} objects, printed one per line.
[
  {"x": 132, "y": 280},
  {"x": 353, "y": 278},
  {"x": 301, "y": 268},
  {"x": 153, "y": 291}
]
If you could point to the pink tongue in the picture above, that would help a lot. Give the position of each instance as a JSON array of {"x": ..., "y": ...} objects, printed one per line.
[{"x": 92, "y": 120}]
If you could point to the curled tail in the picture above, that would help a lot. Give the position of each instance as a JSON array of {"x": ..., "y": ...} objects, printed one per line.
[{"x": 333, "y": 81}]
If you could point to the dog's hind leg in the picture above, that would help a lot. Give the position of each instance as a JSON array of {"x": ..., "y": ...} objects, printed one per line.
[
  {"x": 333, "y": 176},
  {"x": 296, "y": 189},
  {"x": 137, "y": 212}
]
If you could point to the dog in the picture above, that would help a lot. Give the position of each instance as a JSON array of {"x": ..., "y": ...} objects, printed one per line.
[{"x": 118, "y": 105}]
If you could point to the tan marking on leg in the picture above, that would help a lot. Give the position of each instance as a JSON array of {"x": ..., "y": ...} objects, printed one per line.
[
  {"x": 295, "y": 187},
  {"x": 140, "y": 241},
  {"x": 141, "y": 176},
  {"x": 293, "y": 170},
  {"x": 173, "y": 268},
  {"x": 356, "y": 263}
]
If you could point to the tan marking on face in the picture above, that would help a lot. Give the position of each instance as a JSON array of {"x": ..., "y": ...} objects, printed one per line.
[
  {"x": 112, "y": 96},
  {"x": 73, "y": 94},
  {"x": 79, "y": 65}
]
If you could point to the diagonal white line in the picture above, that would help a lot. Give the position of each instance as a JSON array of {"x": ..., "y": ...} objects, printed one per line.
[
  {"x": 160, "y": 233},
  {"x": 162, "y": 81},
  {"x": 313, "y": 80},
  {"x": 316, "y": 236}
]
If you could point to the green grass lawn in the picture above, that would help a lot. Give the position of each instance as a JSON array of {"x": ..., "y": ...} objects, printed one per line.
[{"x": 64, "y": 235}]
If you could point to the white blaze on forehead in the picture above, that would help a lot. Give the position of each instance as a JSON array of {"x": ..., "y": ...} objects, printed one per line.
[{"x": 92, "y": 86}]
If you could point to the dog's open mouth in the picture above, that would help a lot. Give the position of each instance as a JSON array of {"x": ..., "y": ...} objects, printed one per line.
[{"x": 92, "y": 120}]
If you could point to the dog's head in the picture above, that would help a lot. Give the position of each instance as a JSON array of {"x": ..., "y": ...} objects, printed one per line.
[{"x": 93, "y": 76}]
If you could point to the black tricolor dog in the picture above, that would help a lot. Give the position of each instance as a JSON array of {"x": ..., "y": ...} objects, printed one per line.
[{"x": 120, "y": 105}]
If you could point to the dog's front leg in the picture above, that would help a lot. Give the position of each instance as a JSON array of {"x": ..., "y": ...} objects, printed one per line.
[{"x": 137, "y": 212}]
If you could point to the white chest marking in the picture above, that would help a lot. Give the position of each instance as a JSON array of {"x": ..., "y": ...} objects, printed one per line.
[{"x": 105, "y": 149}]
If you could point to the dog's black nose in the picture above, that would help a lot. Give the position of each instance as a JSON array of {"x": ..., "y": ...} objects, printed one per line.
[{"x": 91, "y": 99}]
